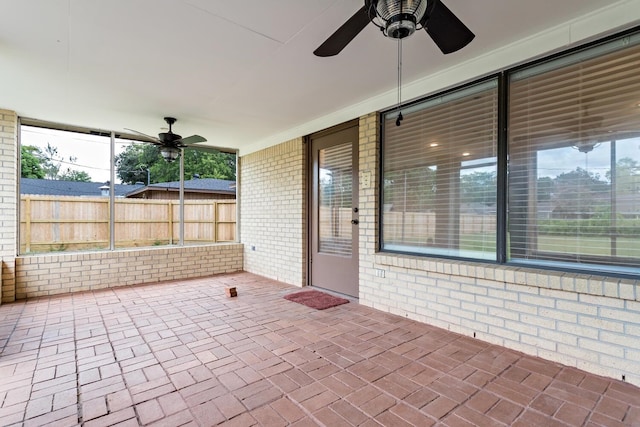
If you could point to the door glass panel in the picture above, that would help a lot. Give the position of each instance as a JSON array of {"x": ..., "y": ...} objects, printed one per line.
[{"x": 335, "y": 199}]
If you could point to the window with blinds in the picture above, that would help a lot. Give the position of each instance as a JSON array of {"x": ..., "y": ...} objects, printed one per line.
[
  {"x": 574, "y": 158},
  {"x": 571, "y": 198},
  {"x": 439, "y": 175}
]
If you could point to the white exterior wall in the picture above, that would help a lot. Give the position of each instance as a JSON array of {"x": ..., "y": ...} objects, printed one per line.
[{"x": 8, "y": 203}]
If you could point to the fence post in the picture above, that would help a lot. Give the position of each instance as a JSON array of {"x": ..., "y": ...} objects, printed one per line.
[
  {"x": 170, "y": 222},
  {"x": 27, "y": 226},
  {"x": 216, "y": 214}
]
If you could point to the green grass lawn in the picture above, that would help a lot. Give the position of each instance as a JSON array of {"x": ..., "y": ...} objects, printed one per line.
[
  {"x": 625, "y": 247},
  {"x": 591, "y": 245}
]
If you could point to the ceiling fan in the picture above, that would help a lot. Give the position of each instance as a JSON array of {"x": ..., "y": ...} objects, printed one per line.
[
  {"x": 587, "y": 128},
  {"x": 170, "y": 143},
  {"x": 584, "y": 131},
  {"x": 398, "y": 19}
]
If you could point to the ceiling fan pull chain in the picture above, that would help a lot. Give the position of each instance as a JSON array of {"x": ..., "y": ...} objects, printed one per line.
[{"x": 400, "y": 118}]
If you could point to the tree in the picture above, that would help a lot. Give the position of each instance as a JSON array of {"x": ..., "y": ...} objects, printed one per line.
[
  {"x": 411, "y": 190},
  {"x": 627, "y": 176},
  {"x": 580, "y": 180},
  {"x": 479, "y": 187},
  {"x": 134, "y": 163},
  {"x": 210, "y": 164},
  {"x": 31, "y": 162},
  {"x": 578, "y": 193},
  {"x": 74, "y": 175},
  {"x": 545, "y": 188},
  {"x": 45, "y": 164},
  {"x": 139, "y": 161},
  {"x": 51, "y": 163}
]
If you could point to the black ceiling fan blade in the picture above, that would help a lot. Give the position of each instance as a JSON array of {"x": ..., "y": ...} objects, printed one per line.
[
  {"x": 193, "y": 139},
  {"x": 151, "y": 139},
  {"x": 446, "y": 30},
  {"x": 343, "y": 35}
]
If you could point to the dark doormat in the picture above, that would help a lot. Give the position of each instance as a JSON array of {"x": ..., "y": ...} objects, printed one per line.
[{"x": 316, "y": 299}]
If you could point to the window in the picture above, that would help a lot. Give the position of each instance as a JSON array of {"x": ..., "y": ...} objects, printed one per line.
[
  {"x": 574, "y": 158},
  {"x": 62, "y": 188},
  {"x": 440, "y": 175},
  {"x": 558, "y": 186},
  {"x": 66, "y": 205}
]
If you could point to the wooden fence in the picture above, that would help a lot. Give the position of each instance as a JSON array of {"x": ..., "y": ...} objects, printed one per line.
[
  {"x": 421, "y": 226},
  {"x": 404, "y": 226},
  {"x": 54, "y": 223}
]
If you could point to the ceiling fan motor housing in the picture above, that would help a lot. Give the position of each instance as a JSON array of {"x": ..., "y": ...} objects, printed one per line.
[
  {"x": 398, "y": 18},
  {"x": 168, "y": 137}
]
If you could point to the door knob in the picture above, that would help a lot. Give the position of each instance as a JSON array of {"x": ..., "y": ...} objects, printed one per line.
[{"x": 354, "y": 221}]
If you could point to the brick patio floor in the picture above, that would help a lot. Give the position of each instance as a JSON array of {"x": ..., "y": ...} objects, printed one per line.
[{"x": 182, "y": 353}]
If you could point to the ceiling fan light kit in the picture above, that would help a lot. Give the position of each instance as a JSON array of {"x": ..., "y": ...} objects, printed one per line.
[
  {"x": 169, "y": 153},
  {"x": 586, "y": 146}
]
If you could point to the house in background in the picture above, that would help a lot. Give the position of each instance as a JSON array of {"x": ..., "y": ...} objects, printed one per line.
[
  {"x": 50, "y": 187},
  {"x": 201, "y": 189},
  {"x": 197, "y": 188}
]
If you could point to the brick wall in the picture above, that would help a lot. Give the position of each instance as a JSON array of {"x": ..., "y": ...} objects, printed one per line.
[
  {"x": 273, "y": 211},
  {"x": 8, "y": 203},
  {"x": 57, "y": 273},
  {"x": 368, "y": 215},
  {"x": 590, "y": 322}
]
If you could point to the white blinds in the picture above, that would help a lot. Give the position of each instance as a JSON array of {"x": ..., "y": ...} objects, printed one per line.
[
  {"x": 439, "y": 175},
  {"x": 335, "y": 199},
  {"x": 574, "y": 157}
]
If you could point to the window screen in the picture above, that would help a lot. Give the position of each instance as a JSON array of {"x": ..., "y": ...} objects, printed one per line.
[
  {"x": 439, "y": 175},
  {"x": 574, "y": 158},
  {"x": 65, "y": 203},
  {"x": 63, "y": 177}
]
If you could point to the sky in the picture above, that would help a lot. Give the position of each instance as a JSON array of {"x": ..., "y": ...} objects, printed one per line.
[
  {"x": 561, "y": 160},
  {"x": 91, "y": 152}
]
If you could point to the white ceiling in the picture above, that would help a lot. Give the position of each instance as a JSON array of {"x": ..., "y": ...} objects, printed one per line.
[{"x": 242, "y": 73}]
